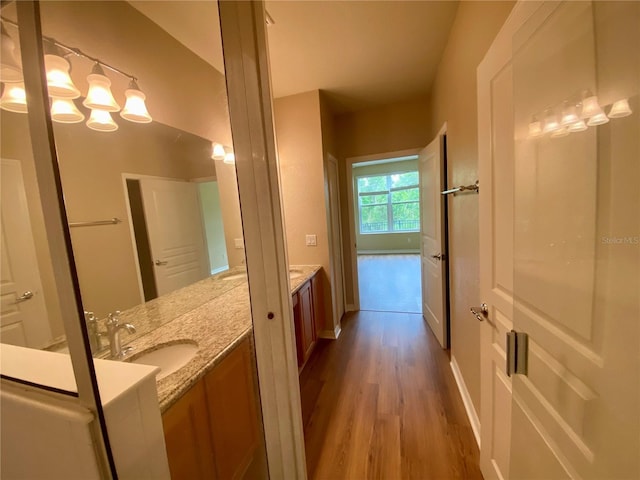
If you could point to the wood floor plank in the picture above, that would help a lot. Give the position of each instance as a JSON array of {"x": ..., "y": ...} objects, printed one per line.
[{"x": 381, "y": 403}]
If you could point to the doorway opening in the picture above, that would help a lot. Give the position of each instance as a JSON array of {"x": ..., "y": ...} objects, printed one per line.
[{"x": 386, "y": 201}]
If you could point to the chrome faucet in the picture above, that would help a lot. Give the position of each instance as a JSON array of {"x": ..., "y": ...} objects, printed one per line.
[
  {"x": 93, "y": 331},
  {"x": 113, "y": 331}
]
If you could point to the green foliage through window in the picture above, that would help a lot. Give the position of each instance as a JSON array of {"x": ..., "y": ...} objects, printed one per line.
[{"x": 389, "y": 203}]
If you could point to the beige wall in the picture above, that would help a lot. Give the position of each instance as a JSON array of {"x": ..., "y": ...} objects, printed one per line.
[
  {"x": 230, "y": 205},
  {"x": 453, "y": 100},
  {"x": 300, "y": 154}
]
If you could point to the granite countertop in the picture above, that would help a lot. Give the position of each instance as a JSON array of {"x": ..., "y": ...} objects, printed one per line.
[{"x": 217, "y": 325}]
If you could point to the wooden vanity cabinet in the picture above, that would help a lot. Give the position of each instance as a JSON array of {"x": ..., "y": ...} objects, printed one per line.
[
  {"x": 212, "y": 432},
  {"x": 307, "y": 317}
]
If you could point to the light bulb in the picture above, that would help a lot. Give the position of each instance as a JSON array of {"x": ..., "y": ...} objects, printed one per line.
[
  {"x": 14, "y": 98},
  {"x": 550, "y": 123},
  {"x": 590, "y": 107},
  {"x": 10, "y": 68},
  {"x": 217, "y": 151},
  {"x": 63, "y": 110},
  {"x": 598, "y": 119},
  {"x": 620, "y": 109},
  {"x": 229, "y": 158},
  {"x": 59, "y": 83},
  {"x": 135, "y": 109},
  {"x": 579, "y": 126},
  {"x": 101, "y": 121},
  {"x": 99, "y": 95}
]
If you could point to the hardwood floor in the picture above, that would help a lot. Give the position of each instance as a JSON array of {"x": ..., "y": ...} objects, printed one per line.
[
  {"x": 390, "y": 283},
  {"x": 381, "y": 403}
]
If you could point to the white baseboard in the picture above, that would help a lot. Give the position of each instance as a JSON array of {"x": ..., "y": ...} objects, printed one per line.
[
  {"x": 466, "y": 399},
  {"x": 351, "y": 307},
  {"x": 331, "y": 334}
]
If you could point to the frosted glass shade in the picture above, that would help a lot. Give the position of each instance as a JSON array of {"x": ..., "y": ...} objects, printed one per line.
[
  {"x": 550, "y": 123},
  {"x": 535, "y": 129},
  {"x": 59, "y": 83},
  {"x": 217, "y": 152},
  {"x": 620, "y": 109},
  {"x": 14, "y": 98},
  {"x": 569, "y": 115},
  {"x": 101, "y": 121},
  {"x": 598, "y": 119},
  {"x": 63, "y": 110},
  {"x": 579, "y": 126},
  {"x": 561, "y": 132},
  {"x": 230, "y": 158},
  {"x": 591, "y": 107},
  {"x": 99, "y": 95},
  {"x": 10, "y": 68},
  {"x": 135, "y": 109}
]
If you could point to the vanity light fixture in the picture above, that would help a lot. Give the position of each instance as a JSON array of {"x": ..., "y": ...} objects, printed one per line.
[
  {"x": 561, "y": 132},
  {"x": 569, "y": 115},
  {"x": 578, "y": 126},
  {"x": 229, "y": 158},
  {"x": 63, "y": 110},
  {"x": 598, "y": 119},
  {"x": 10, "y": 68},
  {"x": 59, "y": 83},
  {"x": 14, "y": 98},
  {"x": 620, "y": 109},
  {"x": 590, "y": 106},
  {"x": 217, "y": 151},
  {"x": 535, "y": 127},
  {"x": 135, "y": 109},
  {"x": 99, "y": 95},
  {"x": 101, "y": 121},
  {"x": 550, "y": 122}
]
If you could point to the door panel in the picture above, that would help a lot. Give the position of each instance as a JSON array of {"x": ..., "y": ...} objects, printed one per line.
[
  {"x": 176, "y": 233},
  {"x": 576, "y": 278},
  {"x": 432, "y": 238}
]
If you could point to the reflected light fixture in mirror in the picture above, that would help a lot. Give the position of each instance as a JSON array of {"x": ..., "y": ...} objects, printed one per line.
[
  {"x": 63, "y": 110},
  {"x": 590, "y": 106},
  {"x": 598, "y": 119},
  {"x": 99, "y": 95},
  {"x": 620, "y": 109},
  {"x": 578, "y": 126},
  {"x": 14, "y": 98},
  {"x": 10, "y": 68},
  {"x": 217, "y": 151},
  {"x": 135, "y": 109},
  {"x": 535, "y": 127},
  {"x": 561, "y": 132},
  {"x": 550, "y": 122},
  {"x": 229, "y": 158},
  {"x": 569, "y": 115},
  {"x": 59, "y": 83},
  {"x": 101, "y": 121}
]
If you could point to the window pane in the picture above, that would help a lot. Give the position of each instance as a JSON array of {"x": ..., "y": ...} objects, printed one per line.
[
  {"x": 373, "y": 199},
  {"x": 374, "y": 219},
  {"x": 404, "y": 179},
  {"x": 406, "y": 216},
  {"x": 410, "y": 195},
  {"x": 372, "y": 184}
]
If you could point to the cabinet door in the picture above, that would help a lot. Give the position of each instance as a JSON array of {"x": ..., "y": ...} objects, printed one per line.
[
  {"x": 297, "y": 323},
  {"x": 186, "y": 435},
  {"x": 233, "y": 413},
  {"x": 308, "y": 327},
  {"x": 318, "y": 303}
]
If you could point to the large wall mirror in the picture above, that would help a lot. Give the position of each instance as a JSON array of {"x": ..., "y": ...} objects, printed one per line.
[{"x": 151, "y": 209}]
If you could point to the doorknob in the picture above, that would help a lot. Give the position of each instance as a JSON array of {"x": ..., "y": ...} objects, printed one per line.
[
  {"x": 438, "y": 256},
  {"x": 161, "y": 262},
  {"x": 480, "y": 312},
  {"x": 28, "y": 295}
]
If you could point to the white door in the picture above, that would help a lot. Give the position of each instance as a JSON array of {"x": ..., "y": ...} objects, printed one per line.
[
  {"x": 432, "y": 245},
  {"x": 176, "y": 234},
  {"x": 335, "y": 231},
  {"x": 555, "y": 261},
  {"x": 23, "y": 318}
]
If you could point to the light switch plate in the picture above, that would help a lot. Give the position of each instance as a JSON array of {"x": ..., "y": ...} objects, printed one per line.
[
  {"x": 239, "y": 243},
  {"x": 312, "y": 240}
]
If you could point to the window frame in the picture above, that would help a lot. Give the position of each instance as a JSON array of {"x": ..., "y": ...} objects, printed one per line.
[{"x": 389, "y": 203}]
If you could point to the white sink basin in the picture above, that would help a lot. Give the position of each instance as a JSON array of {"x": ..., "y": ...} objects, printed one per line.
[
  {"x": 235, "y": 276},
  {"x": 169, "y": 357},
  {"x": 293, "y": 273}
]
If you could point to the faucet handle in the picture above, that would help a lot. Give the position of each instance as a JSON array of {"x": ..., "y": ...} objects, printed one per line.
[
  {"x": 89, "y": 316},
  {"x": 113, "y": 318}
]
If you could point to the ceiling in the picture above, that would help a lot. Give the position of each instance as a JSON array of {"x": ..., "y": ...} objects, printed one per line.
[{"x": 362, "y": 53}]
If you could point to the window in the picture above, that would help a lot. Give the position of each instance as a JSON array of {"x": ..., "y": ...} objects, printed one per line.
[{"x": 389, "y": 203}]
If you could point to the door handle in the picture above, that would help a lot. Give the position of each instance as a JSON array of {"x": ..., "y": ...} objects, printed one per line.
[
  {"x": 480, "y": 312},
  {"x": 161, "y": 262},
  {"x": 438, "y": 256},
  {"x": 28, "y": 295}
]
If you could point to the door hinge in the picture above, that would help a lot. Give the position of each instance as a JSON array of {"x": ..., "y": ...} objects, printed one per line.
[{"x": 517, "y": 353}]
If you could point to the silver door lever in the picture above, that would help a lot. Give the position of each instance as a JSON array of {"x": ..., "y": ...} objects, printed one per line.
[
  {"x": 28, "y": 295},
  {"x": 438, "y": 256},
  {"x": 480, "y": 312},
  {"x": 161, "y": 262}
]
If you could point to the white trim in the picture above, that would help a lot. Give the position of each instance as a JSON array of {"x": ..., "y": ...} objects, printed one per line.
[
  {"x": 331, "y": 334},
  {"x": 351, "y": 307},
  {"x": 466, "y": 399}
]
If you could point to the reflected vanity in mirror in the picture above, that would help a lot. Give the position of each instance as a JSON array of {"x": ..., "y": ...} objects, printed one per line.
[{"x": 150, "y": 210}]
